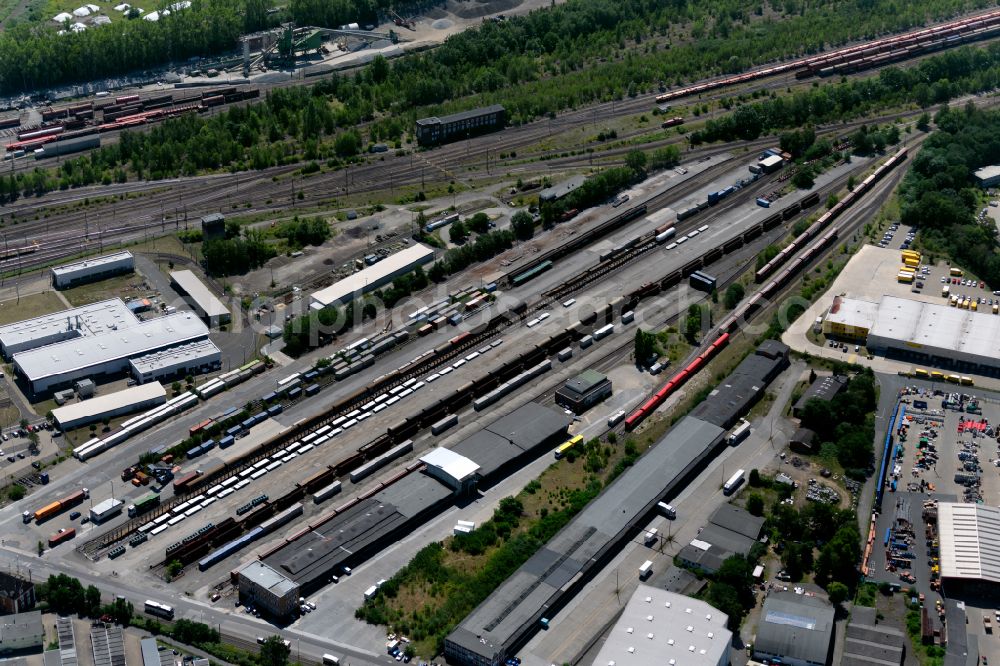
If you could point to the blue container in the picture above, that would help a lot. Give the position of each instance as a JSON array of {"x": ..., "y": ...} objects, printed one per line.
[
  {"x": 269, "y": 397},
  {"x": 226, "y": 442},
  {"x": 295, "y": 392},
  {"x": 310, "y": 376},
  {"x": 207, "y": 446},
  {"x": 194, "y": 452},
  {"x": 274, "y": 410},
  {"x": 312, "y": 389},
  {"x": 235, "y": 430},
  {"x": 249, "y": 423},
  {"x": 763, "y": 203}
]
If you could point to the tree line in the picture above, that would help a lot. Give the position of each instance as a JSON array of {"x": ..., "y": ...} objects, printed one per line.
[
  {"x": 940, "y": 197},
  {"x": 547, "y": 61}
]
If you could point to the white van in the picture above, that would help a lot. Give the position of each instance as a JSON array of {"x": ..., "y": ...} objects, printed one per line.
[
  {"x": 330, "y": 660},
  {"x": 667, "y": 510}
]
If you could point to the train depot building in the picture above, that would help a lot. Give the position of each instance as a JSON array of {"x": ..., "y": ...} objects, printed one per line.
[
  {"x": 584, "y": 391},
  {"x": 93, "y": 269},
  {"x": 433, "y": 131}
]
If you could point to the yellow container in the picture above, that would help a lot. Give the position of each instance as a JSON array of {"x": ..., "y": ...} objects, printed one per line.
[
  {"x": 920, "y": 372},
  {"x": 954, "y": 379},
  {"x": 937, "y": 375},
  {"x": 967, "y": 381}
]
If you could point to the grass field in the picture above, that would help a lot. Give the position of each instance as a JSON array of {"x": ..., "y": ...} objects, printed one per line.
[
  {"x": 33, "y": 305},
  {"x": 120, "y": 286}
]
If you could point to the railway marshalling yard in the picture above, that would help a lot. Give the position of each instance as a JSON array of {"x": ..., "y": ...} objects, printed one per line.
[{"x": 581, "y": 293}]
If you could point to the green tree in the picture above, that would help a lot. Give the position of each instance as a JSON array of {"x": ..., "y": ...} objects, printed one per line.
[
  {"x": 16, "y": 492},
  {"x": 838, "y": 559},
  {"x": 92, "y": 601},
  {"x": 479, "y": 223},
  {"x": 644, "y": 345},
  {"x": 458, "y": 233},
  {"x": 274, "y": 652},
  {"x": 924, "y": 122},
  {"x": 755, "y": 504},
  {"x": 523, "y": 225},
  {"x": 693, "y": 323},
  {"x": 635, "y": 160},
  {"x": 734, "y": 294},
  {"x": 838, "y": 593}
]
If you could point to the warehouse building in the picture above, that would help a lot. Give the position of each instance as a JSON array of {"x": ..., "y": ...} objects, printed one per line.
[
  {"x": 918, "y": 332},
  {"x": 93, "y": 269},
  {"x": 849, "y": 319},
  {"x": 21, "y": 631},
  {"x": 16, "y": 594},
  {"x": 193, "y": 358},
  {"x": 84, "y": 321},
  {"x": 204, "y": 302},
  {"x": 823, "y": 388},
  {"x": 741, "y": 390},
  {"x": 730, "y": 531},
  {"x": 559, "y": 190},
  {"x": 268, "y": 590},
  {"x": 969, "y": 537},
  {"x": 433, "y": 131},
  {"x": 373, "y": 277},
  {"x": 657, "y": 627},
  {"x": 134, "y": 399},
  {"x": 584, "y": 391},
  {"x": 988, "y": 176},
  {"x": 562, "y": 567},
  {"x": 362, "y": 527},
  {"x": 795, "y": 629},
  {"x": 106, "y": 354},
  {"x": 872, "y": 642},
  {"x": 154, "y": 655}
]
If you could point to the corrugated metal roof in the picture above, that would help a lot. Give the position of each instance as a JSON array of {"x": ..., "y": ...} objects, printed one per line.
[
  {"x": 92, "y": 262},
  {"x": 795, "y": 626},
  {"x": 969, "y": 540}
]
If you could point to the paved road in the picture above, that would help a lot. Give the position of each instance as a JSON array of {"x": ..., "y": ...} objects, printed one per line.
[
  {"x": 244, "y": 628},
  {"x": 599, "y": 603}
]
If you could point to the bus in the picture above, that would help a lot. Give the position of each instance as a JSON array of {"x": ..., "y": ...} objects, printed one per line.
[
  {"x": 567, "y": 445},
  {"x": 920, "y": 372},
  {"x": 734, "y": 482},
  {"x": 159, "y": 609}
]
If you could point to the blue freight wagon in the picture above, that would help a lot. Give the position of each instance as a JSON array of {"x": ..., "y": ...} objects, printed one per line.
[
  {"x": 310, "y": 376},
  {"x": 274, "y": 410},
  {"x": 235, "y": 430},
  {"x": 208, "y": 446},
  {"x": 312, "y": 389},
  {"x": 888, "y": 535},
  {"x": 226, "y": 442},
  {"x": 270, "y": 397},
  {"x": 295, "y": 392},
  {"x": 194, "y": 452},
  {"x": 249, "y": 423}
]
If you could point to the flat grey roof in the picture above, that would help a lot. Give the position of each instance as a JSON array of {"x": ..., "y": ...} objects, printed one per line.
[
  {"x": 657, "y": 627},
  {"x": 268, "y": 578},
  {"x": 152, "y": 655},
  {"x": 144, "y": 337},
  {"x": 461, "y": 115},
  {"x": 584, "y": 382},
  {"x": 131, "y": 397},
  {"x": 870, "y": 642},
  {"x": 512, "y": 436},
  {"x": 796, "y": 626},
  {"x": 523, "y": 598},
  {"x": 988, "y": 172},
  {"x": 738, "y": 520},
  {"x": 559, "y": 190},
  {"x": 192, "y": 351},
  {"x": 20, "y": 626},
  {"x": 86, "y": 320},
  {"x": 741, "y": 389},
  {"x": 203, "y": 298},
  {"x": 92, "y": 262}
]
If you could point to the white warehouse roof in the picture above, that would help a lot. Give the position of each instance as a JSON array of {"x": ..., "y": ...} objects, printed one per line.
[
  {"x": 87, "y": 265},
  {"x": 88, "y": 320},
  {"x": 970, "y": 541},
  {"x": 95, "y": 408},
  {"x": 455, "y": 465},
  {"x": 659, "y": 627},
  {"x": 852, "y": 313},
  {"x": 373, "y": 277},
  {"x": 204, "y": 300},
  {"x": 937, "y": 330},
  {"x": 114, "y": 345},
  {"x": 179, "y": 356}
]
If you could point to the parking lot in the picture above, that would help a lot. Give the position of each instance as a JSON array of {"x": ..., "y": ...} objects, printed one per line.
[{"x": 946, "y": 450}]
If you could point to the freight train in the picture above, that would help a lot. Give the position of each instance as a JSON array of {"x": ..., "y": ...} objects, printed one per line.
[
  {"x": 127, "y": 112},
  {"x": 863, "y": 56}
]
